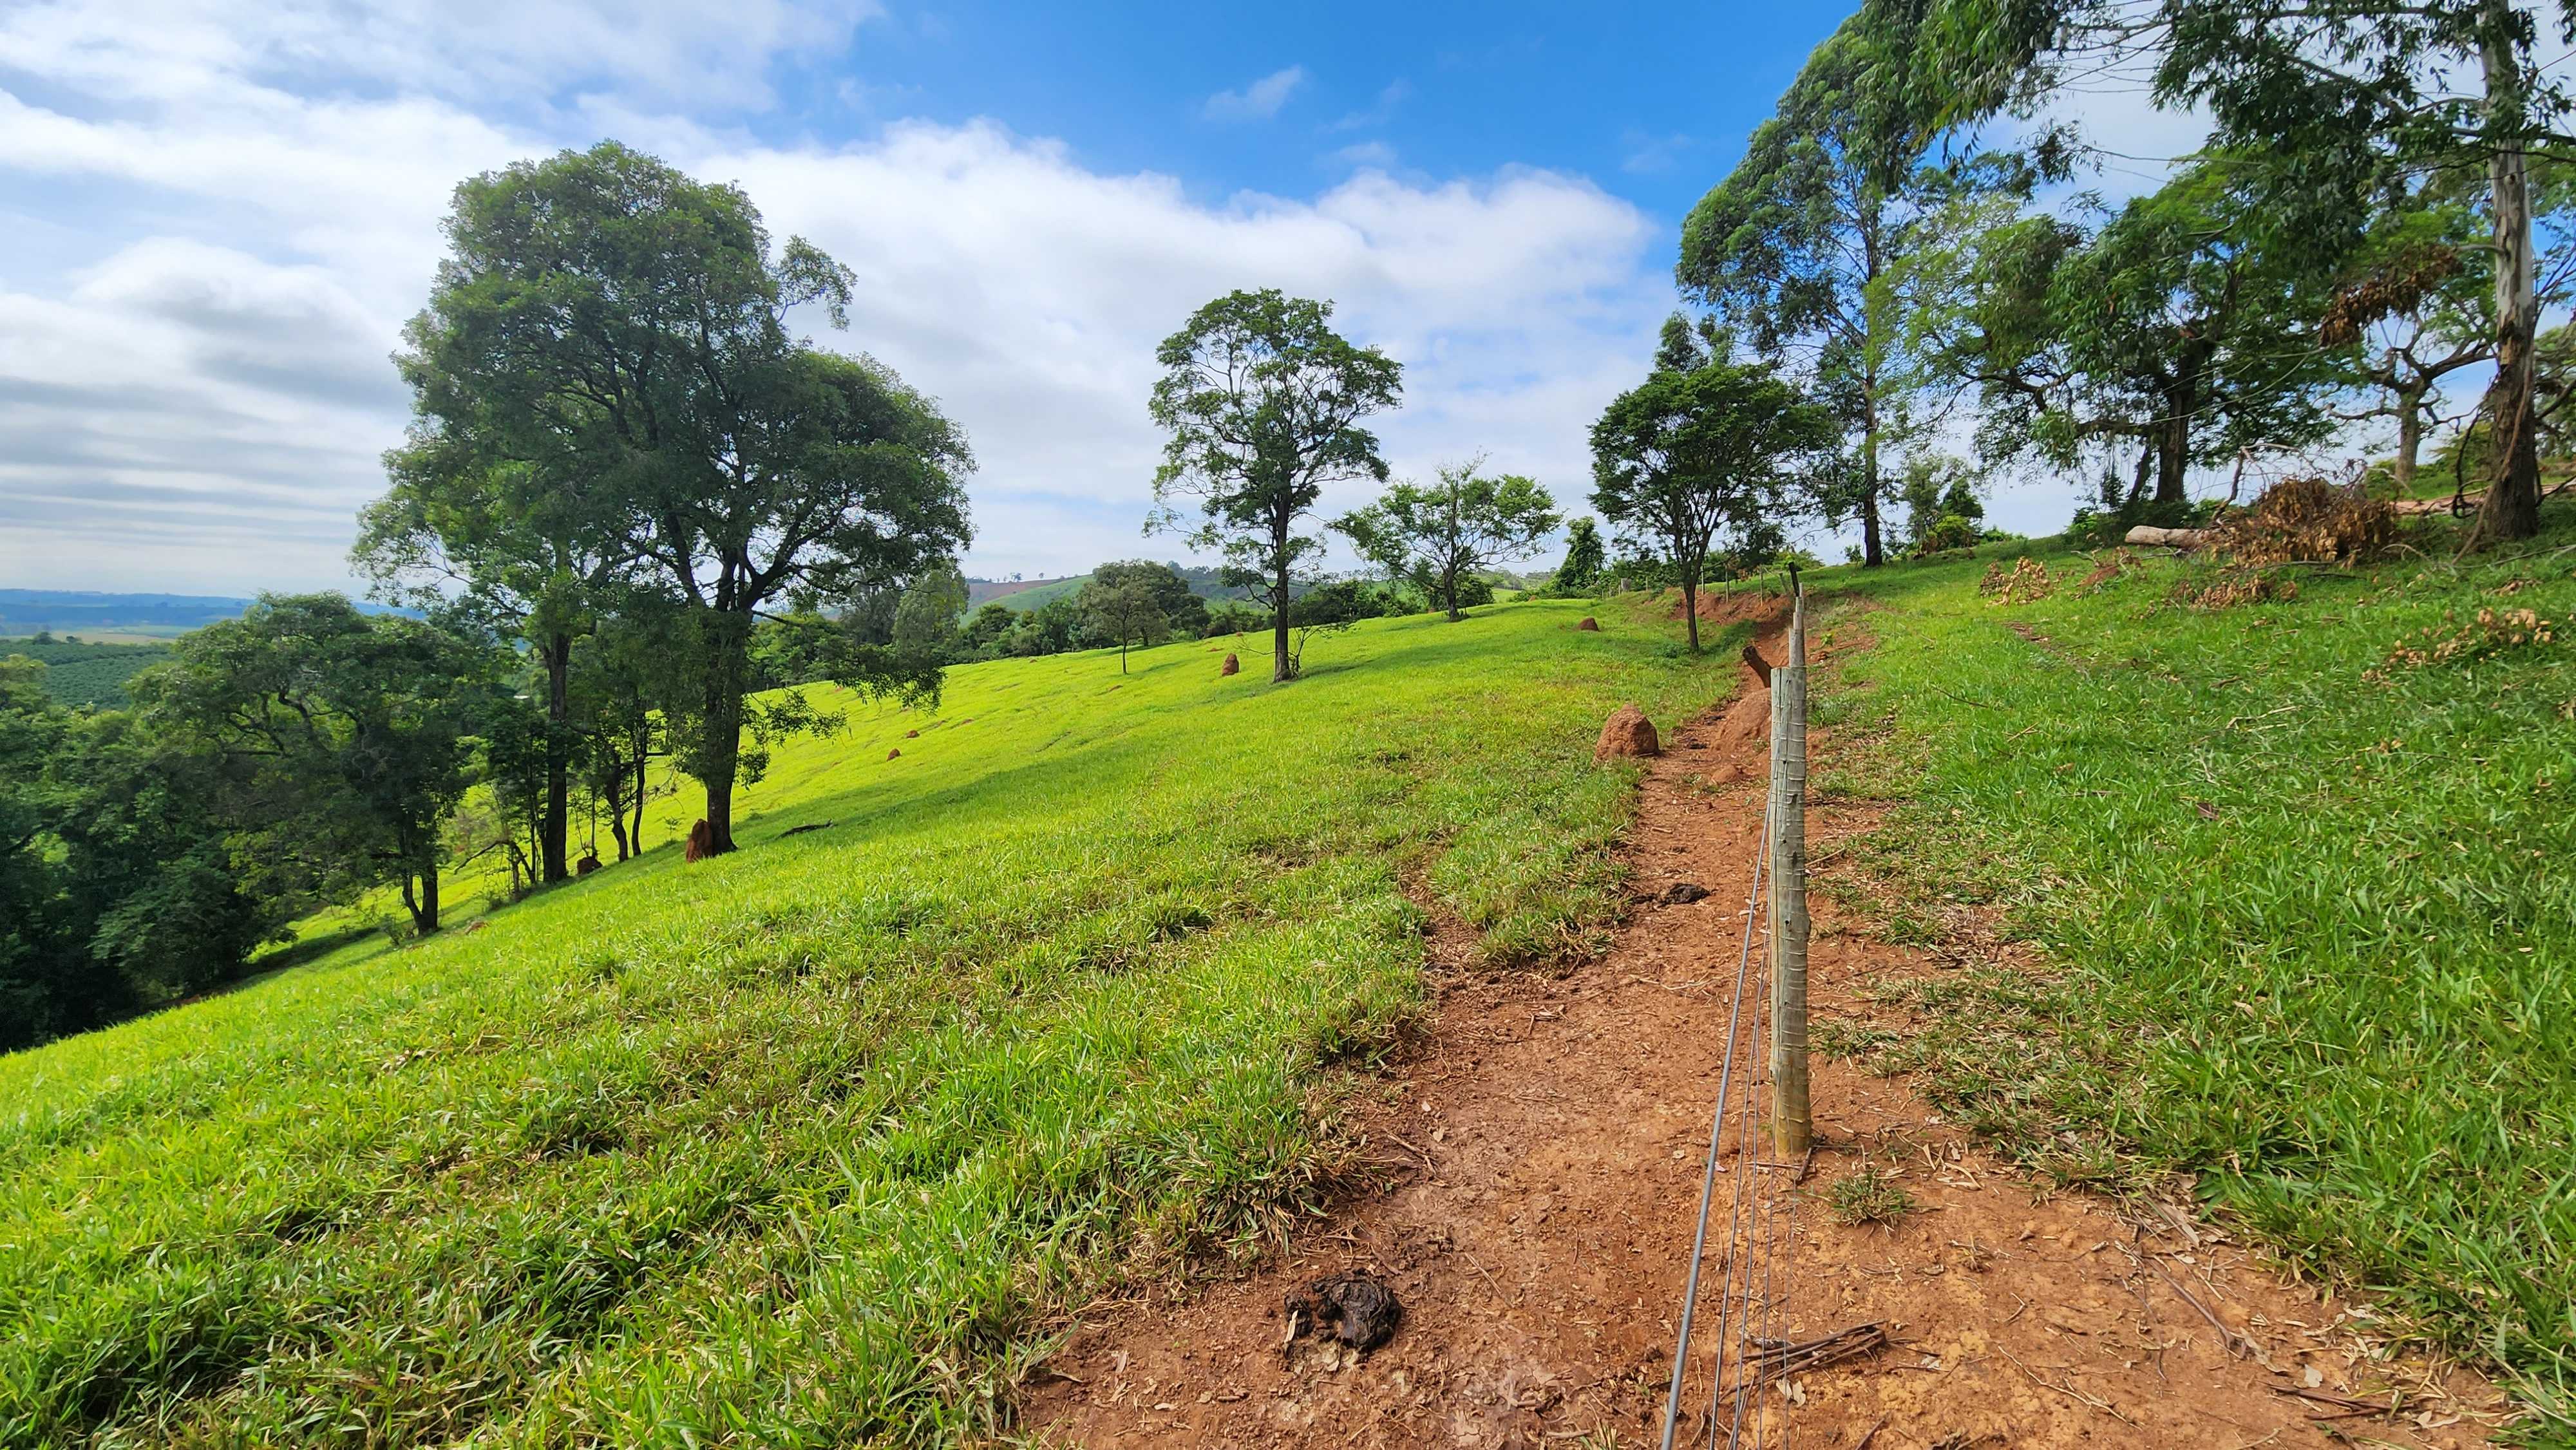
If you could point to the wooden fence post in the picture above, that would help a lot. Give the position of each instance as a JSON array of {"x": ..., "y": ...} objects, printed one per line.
[{"x": 1793, "y": 1129}]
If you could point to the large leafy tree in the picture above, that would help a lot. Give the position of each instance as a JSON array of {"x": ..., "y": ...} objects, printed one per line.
[
  {"x": 2175, "y": 325},
  {"x": 339, "y": 742},
  {"x": 1437, "y": 535},
  {"x": 555, "y": 377},
  {"x": 1688, "y": 453},
  {"x": 2348, "y": 100},
  {"x": 1262, "y": 401},
  {"x": 1124, "y": 610},
  {"x": 1793, "y": 246},
  {"x": 809, "y": 475},
  {"x": 1180, "y": 605},
  {"x": 609, "y": 396}
]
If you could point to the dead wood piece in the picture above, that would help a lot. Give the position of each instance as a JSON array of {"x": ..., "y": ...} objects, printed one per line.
[
  {"x": 2148, "y": 536},
  {"x": 1773, "y": 1361}
]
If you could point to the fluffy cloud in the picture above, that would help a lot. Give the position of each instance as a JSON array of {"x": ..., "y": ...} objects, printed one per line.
[
  {"x": 193, "y": 379},
  {"x": 1258, "y": 101}
]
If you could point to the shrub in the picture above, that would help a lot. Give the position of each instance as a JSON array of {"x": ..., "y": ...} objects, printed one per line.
[{"x": 2308, "y": 521}]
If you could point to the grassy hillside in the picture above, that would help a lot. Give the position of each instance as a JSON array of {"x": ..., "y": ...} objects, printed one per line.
[
  {"x": 2303, "y": 869},
  {"x": 799, "y": 1146},
  {"x": 85, "y": 672}
]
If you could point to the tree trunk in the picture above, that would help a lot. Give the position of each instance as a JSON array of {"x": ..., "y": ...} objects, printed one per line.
[
  {"x": 2173, "y": 457},
  {"x": 2410, "y": 436},
  {"x": 1690, "y": 605},
  {"x": 1282, "y": 668},
  {"x": 613, "y": 788},
  {"x": 1872, "y": 552},
  {"x": 728, "y": 666},
  {"x": 1122, "y": 654},
  {"x": 643, "y": 758},
  {"x": 2512, "y": 507},
  {"x": 558, "y": 819},
  {"x": 423, "y": 903}
]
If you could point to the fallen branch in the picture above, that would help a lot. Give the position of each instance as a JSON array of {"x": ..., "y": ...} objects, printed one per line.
[{"x": 1777, "y": 1360}]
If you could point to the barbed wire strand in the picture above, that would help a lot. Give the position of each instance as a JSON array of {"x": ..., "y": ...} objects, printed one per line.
[{"x": 1716, "y": 1137}]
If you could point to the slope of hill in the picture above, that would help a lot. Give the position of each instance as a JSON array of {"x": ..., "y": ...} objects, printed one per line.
[
  {"x": 79, "y": 672},
  {"x": 1206, "y": 583},
  {"x": 805, "y": 1144},
  {"x": 2298, "y": 860},
  {"x": 980, "y": 592}
]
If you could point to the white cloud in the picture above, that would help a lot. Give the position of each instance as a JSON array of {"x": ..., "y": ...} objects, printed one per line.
[
  {"x": 1367, "y": 153},
  {"x": 199, "y": 401},
  {"x": 1258, "y": 101},
  {"x": 1380, "y": 111}
]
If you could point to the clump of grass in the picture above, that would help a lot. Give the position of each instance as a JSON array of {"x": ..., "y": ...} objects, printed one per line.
[
  {"x": 1839, "y": 1039},
  {"x": 1866, "y": 1196}
]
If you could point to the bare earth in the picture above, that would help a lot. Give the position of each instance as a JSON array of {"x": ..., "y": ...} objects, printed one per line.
[{"x": 1557, "y": 1131}]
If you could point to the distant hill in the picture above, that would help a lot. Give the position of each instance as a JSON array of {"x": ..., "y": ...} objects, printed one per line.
[
  {"x": 80, "y": 672},
  {"x": 980, "y": 592},
  {"x": 1021, "y": 594},
  {"x": 99, "y": 617},
  {"x": 84, "y": 612}
]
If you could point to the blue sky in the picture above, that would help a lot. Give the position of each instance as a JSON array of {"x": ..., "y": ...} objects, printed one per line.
[{"x": 221, "y": 212}]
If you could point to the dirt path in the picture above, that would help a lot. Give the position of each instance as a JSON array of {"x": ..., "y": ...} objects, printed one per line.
[{"x": 1560, "y": 1127}]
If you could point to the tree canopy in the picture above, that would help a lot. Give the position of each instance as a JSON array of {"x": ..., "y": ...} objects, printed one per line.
[
  {"x": 1436, "y": 536},
  {"x": 1686, "y": 454},
  {"x": 1262, "y": 402}
]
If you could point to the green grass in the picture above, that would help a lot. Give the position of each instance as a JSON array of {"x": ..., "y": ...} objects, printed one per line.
[
  {"x": 805, "y": 1145},
  {"x": 2307, "y": 906},
  {"x": 1866, "y": 1196}
]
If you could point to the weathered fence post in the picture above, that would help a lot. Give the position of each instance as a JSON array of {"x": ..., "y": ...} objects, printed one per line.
[{"x": 1793, "y": 1130}]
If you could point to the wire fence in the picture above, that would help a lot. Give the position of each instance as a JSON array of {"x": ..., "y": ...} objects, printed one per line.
[{"x": 1749, "y": 1250}]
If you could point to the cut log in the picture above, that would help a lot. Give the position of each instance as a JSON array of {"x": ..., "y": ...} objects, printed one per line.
[{"x": 2150, "y": 537}]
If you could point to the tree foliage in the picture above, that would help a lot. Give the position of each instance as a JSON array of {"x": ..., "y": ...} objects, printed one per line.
[
  {"x": 1687, "y": 454},
  {"x": 1262, "y": 402},
  {"x": 607, "y": 392},
  {"x": 1795, "y": 244},
  {"x": 2346, "y": 104},
  {"x": 1436, "y": 536}
]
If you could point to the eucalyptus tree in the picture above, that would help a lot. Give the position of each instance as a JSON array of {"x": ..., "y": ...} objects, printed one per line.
[
  {"x": 1262, "y": 401},
  {"x": 1435, "y": 535},
  {"x": 1688, "y": 453},
  {"x": 1794, "y": 245},
  {"x": 2347, "y": 99}
]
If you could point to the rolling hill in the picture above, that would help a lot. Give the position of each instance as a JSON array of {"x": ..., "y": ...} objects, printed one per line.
[{"x": 804, "y": 1145}]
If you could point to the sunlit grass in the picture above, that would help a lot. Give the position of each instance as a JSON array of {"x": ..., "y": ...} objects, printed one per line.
[
  {"x": 2315, "y": 912},
  {"x": 803, "y": 1145}
]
